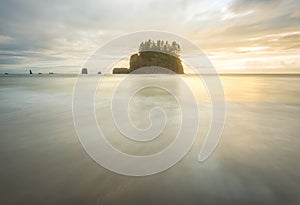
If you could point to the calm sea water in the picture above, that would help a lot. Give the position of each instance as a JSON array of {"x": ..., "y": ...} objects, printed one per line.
[{"x": 256, "y": 161}]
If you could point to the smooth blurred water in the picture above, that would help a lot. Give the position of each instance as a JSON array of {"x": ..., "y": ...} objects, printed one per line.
[{"x": 256, "y": 162}]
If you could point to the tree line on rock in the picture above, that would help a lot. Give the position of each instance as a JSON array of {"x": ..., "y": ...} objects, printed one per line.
[{"x": 160, "y": 46}]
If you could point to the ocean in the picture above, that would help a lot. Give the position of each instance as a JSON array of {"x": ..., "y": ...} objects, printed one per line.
[{"x": 256, "y": 160}]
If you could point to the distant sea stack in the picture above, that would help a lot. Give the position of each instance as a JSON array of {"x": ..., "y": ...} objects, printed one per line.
[
  {"x": 30, "y": 72},
  {"x": 84, "y": 71},
  {"x": 120, "y": 71},
  {"x": 153, "y": 55}
]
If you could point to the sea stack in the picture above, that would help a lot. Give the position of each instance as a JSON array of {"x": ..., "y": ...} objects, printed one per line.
[
  {"x": 30, "y": 72},
  {"x": 84, "y": 71},
  {"x": 154, "y": 58}
]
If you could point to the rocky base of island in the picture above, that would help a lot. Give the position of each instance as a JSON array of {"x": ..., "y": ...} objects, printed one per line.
[
  {"x": 152, "y": 62},
  {"x": 154, "y": 58}
]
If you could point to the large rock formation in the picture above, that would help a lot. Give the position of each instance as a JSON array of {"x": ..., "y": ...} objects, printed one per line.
[{"x": 151, "y": 61}]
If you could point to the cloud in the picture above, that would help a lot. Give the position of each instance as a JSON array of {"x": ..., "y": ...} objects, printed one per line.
[
  {"x": 65, "y": 33},
  {"x": 246, "y": 5}
]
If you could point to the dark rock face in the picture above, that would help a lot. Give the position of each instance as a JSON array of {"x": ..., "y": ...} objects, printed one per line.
[
  {"x": 84, "y": 71},
  {"x": 120, "y": 71},
  {"x": 152, "y": 70},
  {"x": 151, "y": 61},
  {"x": 159, "y": 59}
]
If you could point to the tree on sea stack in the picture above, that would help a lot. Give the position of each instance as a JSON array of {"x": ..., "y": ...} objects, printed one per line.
[
  {"x": 152, "y": 56},
  {"x": 159, "y": 45}
]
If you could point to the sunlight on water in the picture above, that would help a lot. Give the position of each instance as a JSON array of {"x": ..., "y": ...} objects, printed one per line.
[{"x": 257, "y": 160}]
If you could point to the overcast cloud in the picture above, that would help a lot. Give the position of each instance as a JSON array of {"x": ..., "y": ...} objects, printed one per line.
[{"x": 235, "y": 34}]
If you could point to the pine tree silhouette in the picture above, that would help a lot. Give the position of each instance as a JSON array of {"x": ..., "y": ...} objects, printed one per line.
[{"x": 160, "y": 46}]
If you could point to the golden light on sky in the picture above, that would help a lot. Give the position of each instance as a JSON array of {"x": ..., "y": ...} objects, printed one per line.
[{"x": 237, "y": 35}]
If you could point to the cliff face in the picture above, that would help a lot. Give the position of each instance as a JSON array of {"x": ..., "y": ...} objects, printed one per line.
[
  {"x": 120, "y": 71},
  {"x": 151, "y": 60}
]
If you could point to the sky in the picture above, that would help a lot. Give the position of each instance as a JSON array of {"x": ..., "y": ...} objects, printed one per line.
[{"x": 236, "y": 35}]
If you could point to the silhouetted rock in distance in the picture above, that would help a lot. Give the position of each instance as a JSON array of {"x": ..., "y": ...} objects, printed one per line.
[
  {"x": 120, "y": 71},
  {"x": 84, "y": 71}
]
